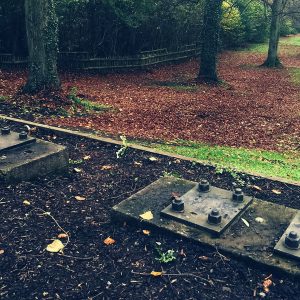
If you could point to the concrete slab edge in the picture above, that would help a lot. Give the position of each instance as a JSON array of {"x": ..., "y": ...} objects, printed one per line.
[{"x": 137, "y": 147}]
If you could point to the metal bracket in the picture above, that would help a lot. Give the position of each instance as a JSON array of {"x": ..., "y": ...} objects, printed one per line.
[
  {"x": 282, "y": 247},
  {"x": 213, "y": 210}
]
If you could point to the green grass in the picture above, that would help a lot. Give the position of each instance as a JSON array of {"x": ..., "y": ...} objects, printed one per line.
[
  {"x": 291, "y": 41},
  {"x": 266, "y": 163},
  {"x": 3, "y": 98},
  {"x": 295, "y": 74},
  {"x": 263, "y": 47}
]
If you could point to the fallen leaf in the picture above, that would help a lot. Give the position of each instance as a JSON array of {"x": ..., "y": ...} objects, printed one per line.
[
  {"x": 146, "y": 232},
  {"x": 266, "y": 284},
  {"x": 62, "y": 236},
  {"x": 26, "y": 202},
  {"x": 147, "y": 215},
  {"x": 1, "y": 251},
  {"x": 79, "y": 198},
  {"x": 259, "y": 220},
  {"x": 155, "y": 274},
  {"x": 256, "y": 187},
  {"x": 136, "y": 163},
  {"x": 55, "y": 246},
  {"x": 245, "y": 222},
  {"x": 87, "y": 157},
  {"x": 106, "y": 167},
  {"x": 109, "y": 241},
  {"x": 77, "y": 170},
  {"x": 203, "y": 257},
  {"x": 152, "y": 158},
  {"x": 175, "y": 195},
  {"x": 277, "y": 192}
]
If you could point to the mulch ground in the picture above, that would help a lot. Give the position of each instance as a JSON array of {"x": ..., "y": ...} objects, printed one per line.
[
  {"x": 89, "y": 269},
  {"x": 256, "y": 107}
]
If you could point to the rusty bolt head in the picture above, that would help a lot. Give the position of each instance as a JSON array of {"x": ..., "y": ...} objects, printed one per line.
[
  {"x": 292, "y": 240},
  {"x": 23, "y": 135},
  {"x": 5, "y": 130},
  {"x": 178, "y": 205},
  {"x": 238, "y": 195},
  {"x": 214, "y": 217},
  {"x": 204, "y": 186}
]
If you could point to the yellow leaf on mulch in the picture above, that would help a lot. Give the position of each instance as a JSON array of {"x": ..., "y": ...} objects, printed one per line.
[
  {"x": 77, "y": 170},
  {"x": 55, "y": 246},
  {"x": 277, "y": 192},
  {"x": 1, "y": 251},
  {"x": 109, "y": 241},
  {"x": 26, "y": 202},
  {"x": 155, "y": 274},
  {"x": 106, "y": 167},
  {"x": 256, "y": 187},
  {"x": 146, "y": 232},
  {"x": 147, "y": 215},
  {"x": 87, "y": 157},
  {"x": 79, "y": 198},
  {"x": 62, "y": 236}
]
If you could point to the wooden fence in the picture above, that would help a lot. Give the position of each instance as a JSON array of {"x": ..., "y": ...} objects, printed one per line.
[{"x": 82, "y": 60}]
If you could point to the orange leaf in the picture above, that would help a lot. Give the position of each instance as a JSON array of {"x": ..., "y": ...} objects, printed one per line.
[
  {"x": 1, "y": 251},
  {"x": 109, "y": 241},
  {"x": 62, "y": 236},
  {"x": 146, "y": 232},
  {"x": 266, "y": 284},
  {"x": 155, "y": 274},
  {"x": 107, "y": 167}
]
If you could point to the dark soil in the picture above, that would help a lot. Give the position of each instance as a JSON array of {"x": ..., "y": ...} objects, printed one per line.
[{"x": 89, "y": 269}]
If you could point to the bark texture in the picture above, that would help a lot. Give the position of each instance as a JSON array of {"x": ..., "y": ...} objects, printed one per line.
[
  {"x": 273, "y": 59},
  {"x": 210, "y": 39},
  {"x": 41, "y": 28}
]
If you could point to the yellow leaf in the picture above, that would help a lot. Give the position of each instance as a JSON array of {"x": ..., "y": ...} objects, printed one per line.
[
  {"x": 245, "y": 222},
  {"x": 62, "y": 236},
  {"x": 1, "y": 251},
  {"x": 106, "y": 167},
  {"x": 152, "y": 158},
  {"x": 26, "y": 202},
  {"x": 256, "y": 187},
  {"x": 155, "y": 274},
  {"x": 147, "y": 215},
  {"x": 277, "y": 192},
  {"x": 55, "y": 246},
  {"x": 79, "y": 198},
  {"x": 146, "y": 232},
  {"x": 109, "y": 241},
  {"x": 87, "y": 157},
  {"x": 77, "y": 170}
]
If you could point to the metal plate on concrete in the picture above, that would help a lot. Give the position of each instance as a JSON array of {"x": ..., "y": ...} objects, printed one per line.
[
  {"x": 11, "y": 141},
  {"x": 198, "y": 205},
  {"x": 281, "y": 247}
]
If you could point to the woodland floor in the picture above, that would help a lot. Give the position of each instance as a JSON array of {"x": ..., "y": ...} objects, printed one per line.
[
  {"x": 89, "y": 269},
  {"x": 256, "y": 107}
]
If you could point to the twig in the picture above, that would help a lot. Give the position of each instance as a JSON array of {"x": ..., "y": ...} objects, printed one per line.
[
  {"x": 181, "y": 274},
  {"x": 76, "y": 257},
  {"x": 65, "y": 268}
]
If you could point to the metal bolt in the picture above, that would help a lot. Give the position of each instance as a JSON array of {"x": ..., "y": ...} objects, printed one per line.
[
  {"x": 204, "y": 186},
  {"x": 292, "y": 240},
  {"x": 5, "y": 130},
  {"x": 23, "y": 135},
  {"x": 177, "y": 205},
  {"x": 238, "y": 195},
  {"x": 214, "y": 217}
]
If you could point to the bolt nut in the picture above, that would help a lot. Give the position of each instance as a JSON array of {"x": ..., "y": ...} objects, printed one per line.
[
  {"x": 292, "y": 240},
  {"x": 204, "y": 186},
  {"x": 238, "y": 195},
  {"x": 5, "y": 130},
  {"x": 23, "y": 135},
  {"x": 178, "y": 205},
  {"x": 214, "y": 217}
]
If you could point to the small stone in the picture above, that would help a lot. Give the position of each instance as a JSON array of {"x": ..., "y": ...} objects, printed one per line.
[{"x": 226, "y": 289}]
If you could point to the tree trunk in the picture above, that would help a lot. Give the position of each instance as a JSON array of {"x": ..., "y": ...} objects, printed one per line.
[
  {"x": 272, "y": 60},
  {"x": 210, "y": 41},
  {"x": 41, "y": 28}
]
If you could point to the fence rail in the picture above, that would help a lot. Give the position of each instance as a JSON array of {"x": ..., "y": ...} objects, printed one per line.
[{"x": 82, "y": 60}]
